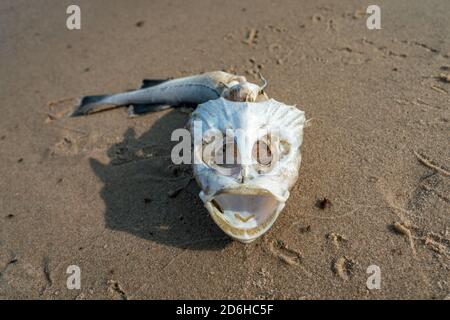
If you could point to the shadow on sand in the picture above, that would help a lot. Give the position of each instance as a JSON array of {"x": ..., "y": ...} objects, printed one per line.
[{"x": 149, "y": 197}]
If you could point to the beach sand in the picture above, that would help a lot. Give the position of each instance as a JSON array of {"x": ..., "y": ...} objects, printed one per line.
[{"x": 97, "y": 191}]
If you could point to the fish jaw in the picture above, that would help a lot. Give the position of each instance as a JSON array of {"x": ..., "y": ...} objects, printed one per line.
[{"x": 244, "y": 213}]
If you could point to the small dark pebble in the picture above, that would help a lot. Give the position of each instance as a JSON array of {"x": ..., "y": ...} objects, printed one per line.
[
  {"x": 59, "y": 180},
  {"x": 139, "y": 24},
  {"x": 147, "y": 200},
  {"x": 12, "y": 261},
  {"x": 305, "y": 229},
  {"x": 324, "y": 204},
  {"x": 9, "y": 216},
  {"x": 20, "y": 160},
  {"x": 394, "y": 69},
  {"x": 87, "y": 69},
  {"x": 397, "y": 252}
]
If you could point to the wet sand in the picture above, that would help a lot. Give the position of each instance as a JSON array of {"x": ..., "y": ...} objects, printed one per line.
[{"x": 96, "y": 191}]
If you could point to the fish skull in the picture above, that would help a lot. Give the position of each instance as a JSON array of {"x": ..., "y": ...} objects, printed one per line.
[
  {"x": 243, "y": 91},
  {"x": 245, "y": 196}
]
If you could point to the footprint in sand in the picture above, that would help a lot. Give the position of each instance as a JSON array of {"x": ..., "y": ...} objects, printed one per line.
[
  {"x": 344, "y": 267},
  {"x": 337, "y": 239},
  {"x": 67, "y": 146},
  {"x": 279, "y": 249},
  {"x": 59, "y": 109},
  {"x": 116, "y": 291}
]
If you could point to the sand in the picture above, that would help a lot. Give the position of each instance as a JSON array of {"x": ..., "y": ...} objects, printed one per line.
[{"x": 98, "y": 192}]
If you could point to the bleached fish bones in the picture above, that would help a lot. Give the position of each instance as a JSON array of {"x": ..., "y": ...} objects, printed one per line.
[{"x": 246, "y": 198}]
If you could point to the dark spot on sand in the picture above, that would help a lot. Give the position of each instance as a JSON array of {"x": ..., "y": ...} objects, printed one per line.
[
  {"x": 20, "y": 160},
  {"x": 140, "y": 23},
  {"x": 46, "y": 270},
  {"x": 396, "y": 252},
  {"x": 10, "y": 216},
  {"x": 87, "y": 69},
  {"x": 323, "y": 204},
  {"x": 2, "y": 137},
  {"x": 305, "y": 229},
  {"x": 316, "y": 18},
  {"x": 174, "y": 193},
  {"x": 175, "y": 171},
  {"x": 147, "y": 200}
]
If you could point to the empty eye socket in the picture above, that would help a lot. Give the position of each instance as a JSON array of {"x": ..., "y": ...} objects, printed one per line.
[
  {"x": 285, "y": 147},
  {"x": 261, "y": 153},
  {"x": 227, "y": 155}
]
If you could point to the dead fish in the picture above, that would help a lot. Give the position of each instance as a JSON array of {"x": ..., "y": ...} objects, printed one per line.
[
  {"x": 156, "y": 95},
  {"x": 245, "y": 197}
]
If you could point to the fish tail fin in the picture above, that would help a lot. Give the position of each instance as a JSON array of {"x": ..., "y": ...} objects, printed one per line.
[{"x": 88, "y": 104}]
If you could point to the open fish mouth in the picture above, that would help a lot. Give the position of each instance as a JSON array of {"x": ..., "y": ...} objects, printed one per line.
[{"x": 244, "y": 213}]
